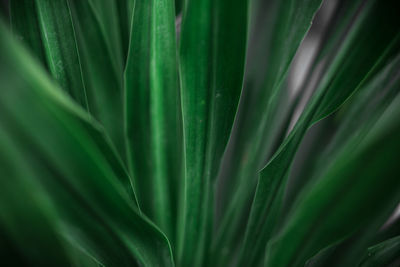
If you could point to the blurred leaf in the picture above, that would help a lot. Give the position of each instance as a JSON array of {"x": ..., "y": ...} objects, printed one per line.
[
  {"x": 107, "y": 13},
  {"x": 212, "y": 56},
  {"x": 125, "y": 10},
  {"x": 26, "y": 219},
  {"x": 153, "y": 112},
  {"x": 349, "y": 70},
  {"x": 179, "y": 6},
  {"x": 383, "y": 253},
  {"x": 361, "y": 177},
  {"x": 389, "y": 230},
  {"x": 278, "y": 27},
  {"x": 355, "y": 117},
  {"x": 79, "y": 257},
  {"x": 25, "y": 25},
  {"x": 153, "y": 87},
  {"x": 67, "y": 153},
  {"x": 102, "y": 74},
  {"x": 359, "y": 114},
  {"x": 350, "y": 250}
]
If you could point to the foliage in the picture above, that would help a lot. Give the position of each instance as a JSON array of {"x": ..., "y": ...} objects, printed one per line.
[{"x": 163, "y": 133}]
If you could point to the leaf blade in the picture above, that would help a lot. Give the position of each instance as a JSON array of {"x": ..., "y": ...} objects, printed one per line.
[
  {"x": 361, "y": 182},
  {"x": 61, "y": 50},
  {"x": 86, "y": 183},
  {"x": 211, "y": 87},
  {"x": 153, "y": 117},
  {"x": 102, "y": 74},
  {"x": 344, "y": 73}
]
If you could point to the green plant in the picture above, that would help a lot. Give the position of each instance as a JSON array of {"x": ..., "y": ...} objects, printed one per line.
[{"x": 115, "y": 120}]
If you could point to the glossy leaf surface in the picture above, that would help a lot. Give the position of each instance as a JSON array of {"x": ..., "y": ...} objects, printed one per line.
[
  {"x": 210, "y": 88},
  {"x": 153, "y": 112},
  {"x": 86, "y": 183}
]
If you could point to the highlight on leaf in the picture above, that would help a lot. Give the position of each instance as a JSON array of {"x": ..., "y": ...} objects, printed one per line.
[{"x": 199, "y": 133}]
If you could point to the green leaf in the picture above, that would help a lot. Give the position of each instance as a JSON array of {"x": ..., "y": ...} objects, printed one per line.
[
  {"x": 109, "y": 17},
  {"x": 179, "y": 6},
  {"x": 327, "y": 45},
  {"x": 349, "y": 70},
  {"x": 388, "y": 231},
  {"x": 22, "y": 199},
  {"x": 355, "y": 120},
  {"x": 383, "y": 253},
  {"x": 361, "y": 177},
  {"x": 125, "y": 10},
  {"x": 25, "y": 25},
  {"x": 355, "y": 117},
  {"x": 278, "y": 27},
  {"x": 80, "y": 258},
  {"x": 153, "y": 119},
  {"x": 102, "y": 74},
  {"x": 58, "y": 37},
  {"x": 212, "y": 56},
  {"x": 67, "y": 152}
]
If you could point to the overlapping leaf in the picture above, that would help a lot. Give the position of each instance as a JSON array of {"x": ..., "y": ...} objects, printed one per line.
[
  {"x": 360, "y": 114},
  {"x": 349, "y": 69},
  {"x": 114, "y": 23},
  {"x": 66, "y": 152},
  {"x": 58, "y": 39},
  {"x": 212, "y": 56},
  {"x": 355, "y": 121},
  {"x": 102, "y": 70},
  {"x": 276, "y": 37},
  {"x": 383, "y": 254},
  {"x": 66, "y": 188},
  {"x": 23, "y": 200},
  {"x": 25, "y": 25},
  {"x": 361, "y": 176},
  {"x": 153, "y": 119}
]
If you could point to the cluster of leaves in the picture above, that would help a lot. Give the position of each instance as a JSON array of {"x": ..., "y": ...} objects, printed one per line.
[{"x": 123, "y": 143}]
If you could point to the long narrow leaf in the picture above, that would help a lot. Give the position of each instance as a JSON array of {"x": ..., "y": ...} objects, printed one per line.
[
  {"x": 343, "y": 77},
  {"x": 212, "y": 55},
  {"x": 22, "y": 200},
  {"x": 278, "y": 29},
  {"x": 153, "y": 112},
  {"x": 25, "y": 25},
  {"x": 383, "y": 254},
  {"x": 58, "y": 37},
  {"x": 108, "y": 15},
  {"x": 360, "y": 114},
  {"x": 87, "y": 181},
  {"x": 102, "y": 73},
  {"x": 357, "y": 175}
]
